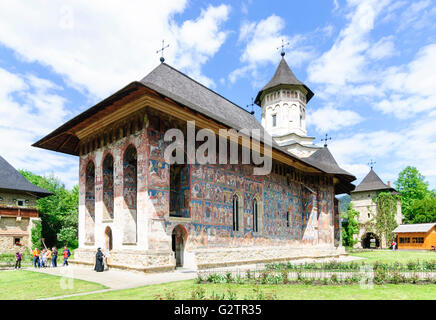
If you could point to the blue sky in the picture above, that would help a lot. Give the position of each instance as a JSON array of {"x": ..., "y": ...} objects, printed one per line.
[{"x": 371, "y": 65}]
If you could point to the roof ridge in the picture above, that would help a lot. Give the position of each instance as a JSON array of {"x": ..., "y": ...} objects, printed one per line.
[{"x": 199, "y": 83}]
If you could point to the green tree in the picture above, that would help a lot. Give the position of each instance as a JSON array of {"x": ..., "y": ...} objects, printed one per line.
[
  {"x": 385, "y": 222},
  {"x": 423, "y": 210},
  {"x": 58, "y": 212},
  {"x": 411, "y": 186},
  {"x": 36, "y": 234},
  {"x": 350, "y": 227}
]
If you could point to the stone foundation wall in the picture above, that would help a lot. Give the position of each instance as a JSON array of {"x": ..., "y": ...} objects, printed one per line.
[
  {"x": 207, "y": 258},
  {"x": 210, "y": 258},
  {"x": 130, "y": 259},
  {"x": 7, "y": 244}
]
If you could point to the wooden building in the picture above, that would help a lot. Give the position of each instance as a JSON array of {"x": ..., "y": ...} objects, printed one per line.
[
  {"x": 416, "y": 236},
  {"x": 18, "y": 209}
]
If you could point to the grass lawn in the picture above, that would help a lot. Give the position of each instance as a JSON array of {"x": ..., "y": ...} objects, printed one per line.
[
  {"x": 183, "y": 290},
  {"x": 390, "y": 256},
  {"x": 28, "y": 285}
]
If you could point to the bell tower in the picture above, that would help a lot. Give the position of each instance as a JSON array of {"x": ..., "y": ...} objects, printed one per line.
[{"x": 283, "y": 102}]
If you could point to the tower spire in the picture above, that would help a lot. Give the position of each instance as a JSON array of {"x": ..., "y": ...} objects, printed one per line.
[
  {"x": 325, "y": 140},
  {"x": 162, "y": 59},
  {"x": 282, "y": 53}
]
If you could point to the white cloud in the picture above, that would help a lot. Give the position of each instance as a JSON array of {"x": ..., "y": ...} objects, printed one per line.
[
  {"x": 411, "y": 87},
  {"x": 200, "y": 39},
  {"x": 103, "y": 45},
  {"x": 344, "y": 63},
  {"x": 382, "y": 49},
  {"x": 262, "y": 42},
  {"x": 329, "y": 119},
  {"x": 414, "y": 145},
  {"x": 30, "y": 107},
  {"x": 98, "y": 47}
]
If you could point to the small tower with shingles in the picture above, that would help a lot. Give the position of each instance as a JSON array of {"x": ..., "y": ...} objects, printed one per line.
[{"x": 283, "y": 101}]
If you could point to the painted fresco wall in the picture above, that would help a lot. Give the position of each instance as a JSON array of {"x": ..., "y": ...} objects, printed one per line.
[
  {"x": 90, "y": 202},
  {"x": 141, "y": 211},
  {"x": 128, "y": 189}
]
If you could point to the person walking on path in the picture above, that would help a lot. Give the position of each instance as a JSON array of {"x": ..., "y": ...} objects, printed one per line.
[
  {"x": 394, "y": 244},
  {"x": 42, "y": 258},
  {"x": 99, "y": 266},
  {"x": 48, "y": 256},
  {"x": 18, "y": 258},
  {"x": 35, "y": 255},
  {"x": 54, "y": 257},
  {"x": 66, "y": 255}
]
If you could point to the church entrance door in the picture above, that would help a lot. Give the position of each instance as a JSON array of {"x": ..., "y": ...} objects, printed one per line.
[
  {"x": 108, "y": 238},
  {"x": 178, "y": 238}
]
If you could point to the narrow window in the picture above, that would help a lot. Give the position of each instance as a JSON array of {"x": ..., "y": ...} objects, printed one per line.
[
  {"x": 235, "y": 213},
  {"x": 108, "y": 187},
  {"x": 287, "y": 219},
  {"x": 274, "y": 120},
  {"x": 255, "y": 216}
]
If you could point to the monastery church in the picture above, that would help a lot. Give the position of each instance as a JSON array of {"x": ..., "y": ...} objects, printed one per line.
[{"x": 153, "y": 215}]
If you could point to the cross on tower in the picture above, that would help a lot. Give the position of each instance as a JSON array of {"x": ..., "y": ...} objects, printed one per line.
[
  {"x": 371, "y": 164},
  {"x": 252, "y": 104},
  {"x": 325, "y": 139},
  {"x": 162, "y": 59},
  {"x": 282, "y": 53}
]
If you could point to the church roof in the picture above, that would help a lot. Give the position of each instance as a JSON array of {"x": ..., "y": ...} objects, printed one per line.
[
  {"x": 11, "y": 179},
  {"x": 372, "y": 182},
  {"x": 323, "y": 159},
  {"x": 171, "y": 83},
  {"x": 185, "y": 90},
  {"x": 283, "y": 76}
]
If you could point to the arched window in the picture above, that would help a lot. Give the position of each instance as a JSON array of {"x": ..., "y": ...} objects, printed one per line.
[
  {"x": 108, "y": 187},
  {"x": 130, "y": 181},
  {"x": 274, "y": 120},
  {"x": 90, "y": 202},
  {"x": 235, "y": 213},
  {"x": 255, "y": 216}
]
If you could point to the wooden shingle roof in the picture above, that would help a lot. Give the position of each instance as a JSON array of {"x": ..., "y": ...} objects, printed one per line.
[
  {"x": 372, "y": 182},
  {"x": 283, "y": 76},
  {"x": 11, "y": 179}
]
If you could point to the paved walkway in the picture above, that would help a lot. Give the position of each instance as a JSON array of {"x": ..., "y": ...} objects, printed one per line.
[{"x": 116, "y": 279}]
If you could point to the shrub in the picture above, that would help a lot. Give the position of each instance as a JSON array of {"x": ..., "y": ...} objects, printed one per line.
[
  {"x": 248, "y": 274},
  {"x": 414, "y": 278},
  {"x": 198, "y": 293},
  {"x": 379, "y": 276},
  {"x": 216, "y": 278},
  {"x": 231, "y": 295},
  {"x": 397, "y": 277},
  {"x": 285, "y": 276},
  {"x": 334, "y": 279},
  {"x": 199, "y": 278}
]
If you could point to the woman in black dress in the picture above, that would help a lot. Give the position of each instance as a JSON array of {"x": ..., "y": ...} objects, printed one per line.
[{"x": 99, "y": 266}]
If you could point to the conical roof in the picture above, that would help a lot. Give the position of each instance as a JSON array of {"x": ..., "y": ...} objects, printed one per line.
[
  {"x": 283, "y": 76},
  {"x": 324, "y": 160},
  {"x": 372, "y": 182},
  {"x": 11, "y": 179}
]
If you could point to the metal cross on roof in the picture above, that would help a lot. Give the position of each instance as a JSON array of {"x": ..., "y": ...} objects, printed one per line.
[
  {"x": 325, "y": 139},
  {"x": 252, "y": 104},
  {"x": 371, "y": 164},
  {"x": 162, "y": 59},
  {"x": 282, "y": 53}
]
